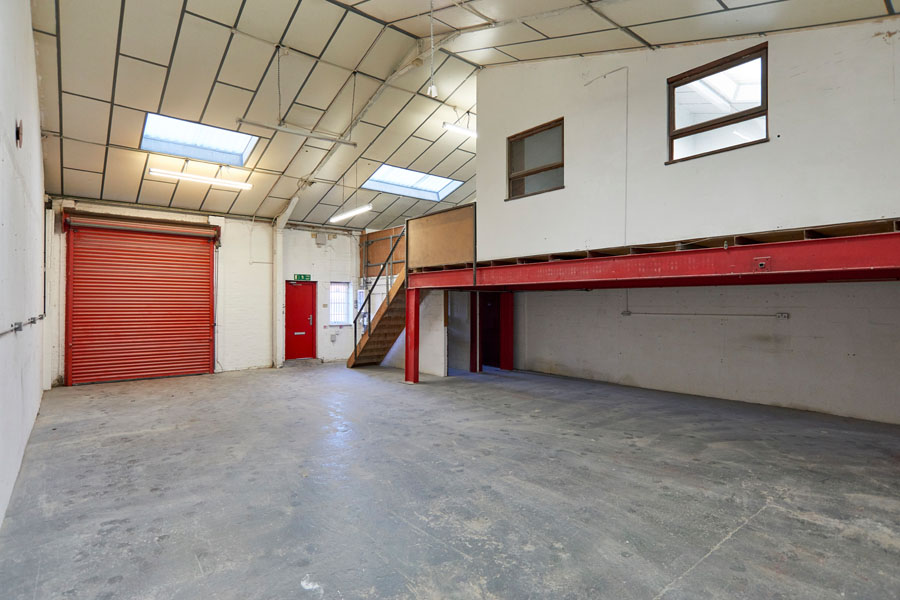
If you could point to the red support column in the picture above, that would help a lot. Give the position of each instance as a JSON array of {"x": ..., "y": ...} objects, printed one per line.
[
  {"x": 474, "y": 360},
  {"x": 412, "y": 335},
  {"x": 507, "y": 324}
]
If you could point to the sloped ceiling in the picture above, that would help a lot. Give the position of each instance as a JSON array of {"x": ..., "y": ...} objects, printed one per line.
[{"x": 358, "y": 69}]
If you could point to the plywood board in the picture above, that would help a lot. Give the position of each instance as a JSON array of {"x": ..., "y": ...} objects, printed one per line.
[{"x": 444, "y": 238}]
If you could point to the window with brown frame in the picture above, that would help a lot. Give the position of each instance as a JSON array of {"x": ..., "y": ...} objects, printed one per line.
[
  {"x": 720, "y": 106},
  {"x": 534, "y": 160}
]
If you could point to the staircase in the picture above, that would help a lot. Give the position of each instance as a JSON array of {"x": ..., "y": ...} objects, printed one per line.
[{"x": 385, "y": 327}]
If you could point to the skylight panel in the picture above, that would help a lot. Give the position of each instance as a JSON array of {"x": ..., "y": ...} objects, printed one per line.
[
  {"x": 406, "y": 182},
  {"x": 167, "y": 135}
]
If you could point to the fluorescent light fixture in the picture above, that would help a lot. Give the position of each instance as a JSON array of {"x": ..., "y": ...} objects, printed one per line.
[
  {"x": 462, "y": 130},
  {"x": 406, "y": 182},
  {"x": 166, "y": 135},
  {"x": 288, "y": 128},
  {"x": 350, "y": 213},
  {"x": 200, "y": 179}
]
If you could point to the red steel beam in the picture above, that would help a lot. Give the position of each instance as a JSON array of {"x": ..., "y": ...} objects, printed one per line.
[
  {"x": 864, "y": 257},
  {"x": 412, "y": 336}
]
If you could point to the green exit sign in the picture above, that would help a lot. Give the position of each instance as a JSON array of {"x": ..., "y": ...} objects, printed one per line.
[{"x": 301, "y": 277}]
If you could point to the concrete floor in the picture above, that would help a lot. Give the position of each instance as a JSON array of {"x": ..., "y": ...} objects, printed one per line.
[{"x": 320, "y": 482}]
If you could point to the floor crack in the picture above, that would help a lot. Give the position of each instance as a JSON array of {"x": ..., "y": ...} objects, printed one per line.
[{"x": 672, "y": 583}]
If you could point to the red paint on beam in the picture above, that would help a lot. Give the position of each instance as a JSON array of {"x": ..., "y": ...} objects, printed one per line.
[
  {"x": 854, "y": 258},
  {"x": 412, "y": 335}
]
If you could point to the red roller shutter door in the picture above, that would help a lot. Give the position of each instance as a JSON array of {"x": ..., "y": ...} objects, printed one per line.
[{"x": 139, "y": 300}]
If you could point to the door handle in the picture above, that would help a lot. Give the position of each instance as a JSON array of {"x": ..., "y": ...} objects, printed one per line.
[
  {"x": 310, "y": 319},
  {"x": 299, "y": 333}
]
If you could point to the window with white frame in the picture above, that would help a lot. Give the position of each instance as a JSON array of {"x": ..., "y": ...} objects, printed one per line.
[{"x": 339, "y": 303}]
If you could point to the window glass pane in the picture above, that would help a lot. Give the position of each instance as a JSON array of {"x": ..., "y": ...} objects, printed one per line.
[
  {"x": 339, "y": 303},
  {"x": 543, "y": 148},
  {"x": 720, "y": 138},
  {"x": 406, "y": 182},
  {"x": 193, "y": 140},
  {"x": 539, "y": 182},
  {"x": 726, "y": 92}
]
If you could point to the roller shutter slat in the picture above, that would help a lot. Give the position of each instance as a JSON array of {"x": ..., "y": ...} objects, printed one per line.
[{"x": 140, "y": 303}]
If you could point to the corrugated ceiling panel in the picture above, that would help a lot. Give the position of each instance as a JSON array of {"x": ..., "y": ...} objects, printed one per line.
[
  {"x": 88, "y": 34},
  {"x": 85, "y": 119},
  {"x": 82, "y": 156},
  {"x": 305, "y": 161},
  {"x": 219, "y": 201},
  {"x": 197, "y": 57},
  {"x": 645, "y": 11},
  {"x": 266, "y": 19},
  {"x": 420, "y": 26},
  {"x": 249, "y": 200},
  {"x": 313, "y": 25},
  {"x": 502, "y": 10},
  {"x": 768, "y": 17},
  {"x": 323, "y": 85},
  {"x": 139, "y": 84},
  {"x": 127, "y": 127},
  {"x": 223, "y": 11},
  {"x": 271, "y": 207},
  {"x": 294, "y": 70},
  {"x": 352, "y": 41},
  {"x": 43, "y": 15},
  {"x": 48, "y": 83},
  {"x": 156, "y": 193},
  {"x": 81, "y": 183},
  {"x": 245, "y": 62},
  {"x": 123, "y": 175},
  {"x": 226, "y": 105},
  {"x": 498, "y": 36},
  {"x": 386, "y": 54},
  {"x": 52, "y": 166},
  {"x": 408, "y": 152},
  {"x": 285, "y": 187},
  {"x": 409, "y": 119},
  {"x": 148, "y": 29},
  {"x": 387, "y": 106},
  {"x": 280, "y": 152},
  {"x": 580, "y": 19},
  {"x": 612, "y": 39}
]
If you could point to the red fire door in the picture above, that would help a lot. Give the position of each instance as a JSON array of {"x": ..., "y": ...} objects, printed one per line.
[{"x": 299, "y": 319}]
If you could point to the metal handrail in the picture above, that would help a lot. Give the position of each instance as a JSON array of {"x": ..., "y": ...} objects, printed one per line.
[{"x": 368, "y": 300}]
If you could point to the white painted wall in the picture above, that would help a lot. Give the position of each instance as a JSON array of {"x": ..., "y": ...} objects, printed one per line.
[
  {"x": 337, "y": 260},
  {"x": 244, "y": 296},
  {"x": 837, "y": 353},
  {"x": 21, "y": 242},
  {"x": 834, "y": 116},
  {"x": 432, "y": 338}
]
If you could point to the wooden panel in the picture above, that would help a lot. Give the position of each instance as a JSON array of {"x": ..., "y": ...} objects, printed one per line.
[
  {"x": 374, "y": 248},
  {"x": 444, "y": 238}
]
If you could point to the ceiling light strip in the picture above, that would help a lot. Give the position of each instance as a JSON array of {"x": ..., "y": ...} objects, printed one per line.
[
  {"x": 350, "y": 213},
  {"x": 200, "y": 179}
]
